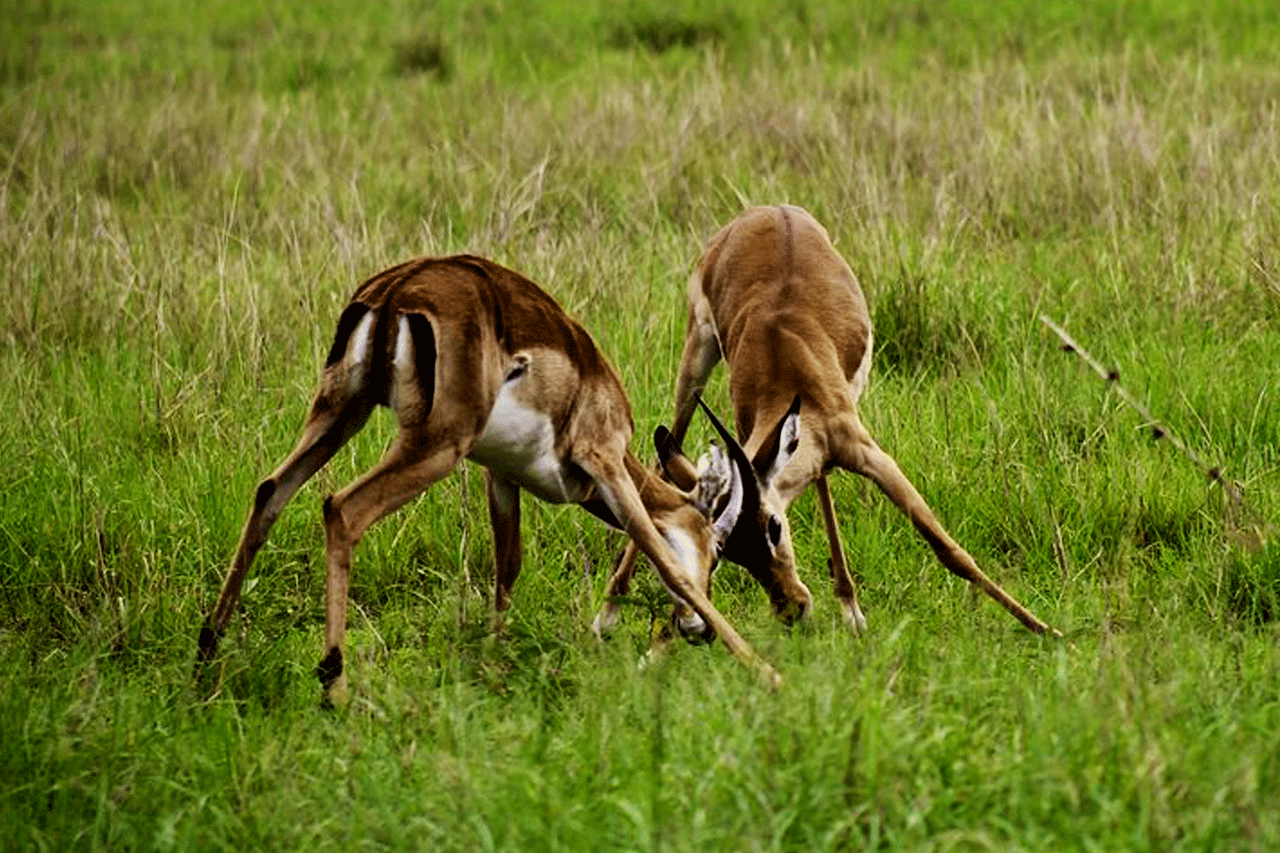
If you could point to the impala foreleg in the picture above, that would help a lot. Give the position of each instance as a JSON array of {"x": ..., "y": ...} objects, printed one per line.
[
  {"x": 504, "y": 517},
  {"x": 624, "y": 501},
  {"x": 619, "y": 585},
  {"x": 700, "y": 356},
  {"x": 679, "y": 470},
  {"x": 846, "y": 592},
  {"x": 693, "y": 628}
]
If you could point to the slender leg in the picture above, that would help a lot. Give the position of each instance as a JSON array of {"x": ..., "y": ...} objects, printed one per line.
[
  {"x": 620, "y": 494},
  {"x": 701, "y": 354},
  {"x": 619, "y": 585},
  {"x": 325, "y": 432},
  {"x": 862, "y": 455},
  {"x": 845, "y": 591},
  {"x": 504, "y": 516},
  {"x": 399, "y": 477}
]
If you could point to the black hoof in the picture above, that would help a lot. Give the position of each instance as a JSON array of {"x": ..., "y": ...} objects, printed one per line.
[
  {"x": 207, "y": 647},
  {"x": 329, "y": 668}
]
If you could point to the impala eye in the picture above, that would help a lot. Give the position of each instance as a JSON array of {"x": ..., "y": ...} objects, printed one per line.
[{"x": 775, "y": 531}]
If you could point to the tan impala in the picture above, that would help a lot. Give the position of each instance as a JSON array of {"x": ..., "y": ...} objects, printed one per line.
[
  {"x": 478, "y": 363},
  {"x": 774, "y": 299}
]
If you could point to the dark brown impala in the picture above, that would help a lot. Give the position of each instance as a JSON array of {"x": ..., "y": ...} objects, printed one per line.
[
  {"x": 479, "y": 363},
  {"x": 772, "y": 297}
]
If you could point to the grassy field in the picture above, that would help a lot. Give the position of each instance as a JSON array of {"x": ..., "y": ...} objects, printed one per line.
[{"x": 189, "y": 193}]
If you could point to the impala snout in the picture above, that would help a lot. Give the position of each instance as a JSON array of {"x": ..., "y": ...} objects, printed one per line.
[
  {"x": 790, "y": 598},
  {"x": 758, "y": 537},
  {"x": 764, "y": 550},
  {"x": 693, "y": 628},
  {"x": 792, "y": 607}
]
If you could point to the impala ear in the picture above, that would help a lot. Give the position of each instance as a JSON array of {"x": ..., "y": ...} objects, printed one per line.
[
  {"x": 783, "y": 442},
  {"x": 744, "y": 495},
  {"x": 718, "y": 494},
  {"x": 674, "y": 463}
]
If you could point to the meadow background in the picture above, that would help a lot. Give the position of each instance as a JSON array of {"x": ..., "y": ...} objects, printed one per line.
[{"x": 189, "y": 192}]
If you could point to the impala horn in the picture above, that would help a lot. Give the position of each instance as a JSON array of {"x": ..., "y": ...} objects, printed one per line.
[{"x": 731, "y": 537}]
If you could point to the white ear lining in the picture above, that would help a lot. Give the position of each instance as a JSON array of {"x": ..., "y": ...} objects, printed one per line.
[
  {"x": 727, "y": 477},
  {"x": 713, "y": 477},
  {"x": 788, "y": 443}
]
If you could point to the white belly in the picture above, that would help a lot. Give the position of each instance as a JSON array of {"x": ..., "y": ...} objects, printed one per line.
[{"x": 518, "y": 444}]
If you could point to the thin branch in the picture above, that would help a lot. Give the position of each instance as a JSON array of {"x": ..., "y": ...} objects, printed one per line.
[{"x": 1158, "y": 430}]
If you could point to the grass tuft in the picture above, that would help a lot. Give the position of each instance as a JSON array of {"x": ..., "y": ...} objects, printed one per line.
[
  {"x": 1251, "y": 585},
  {"x": 189, "y": 194}
]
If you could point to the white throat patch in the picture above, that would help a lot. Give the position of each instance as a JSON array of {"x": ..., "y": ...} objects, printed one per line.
[{"x": 519, "y": 444}]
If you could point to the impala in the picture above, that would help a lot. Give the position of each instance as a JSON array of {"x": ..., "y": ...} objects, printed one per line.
[
  {"x": 478, "y": 363},
  {"x": 772, "y": 297}
]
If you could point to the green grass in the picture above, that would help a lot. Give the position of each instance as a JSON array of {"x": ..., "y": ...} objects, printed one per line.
[{"x": 188, "y": 195}]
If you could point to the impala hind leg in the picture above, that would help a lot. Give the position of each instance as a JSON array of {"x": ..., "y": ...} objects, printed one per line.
[
  {"x": 341, "y": 407},
  {"x": 846, "y": 592},
  {"x": 327, "y": 429},
  {"x": 400, "y": 476},
  {"x": 863, "y": 456}
]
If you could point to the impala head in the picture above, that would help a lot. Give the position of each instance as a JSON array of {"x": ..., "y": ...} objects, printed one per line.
[
  {"x": 749, "y": 519},
  {"x": 714, "y": 504}
]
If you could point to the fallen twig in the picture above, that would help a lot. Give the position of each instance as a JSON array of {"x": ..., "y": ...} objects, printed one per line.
[{"x": 1235, "y": 495}]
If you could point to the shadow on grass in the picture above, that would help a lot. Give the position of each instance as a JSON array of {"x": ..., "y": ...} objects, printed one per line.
[
  {"x": 1251, "y": 585},
  {"x": 424, "y": 54},
  {"x": 659, "y": 33}
]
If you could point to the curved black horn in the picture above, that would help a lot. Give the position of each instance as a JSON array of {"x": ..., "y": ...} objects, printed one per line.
[
  {"x": 746, "y": 544},
  {"x": 736, "y": 453},
  {"x": 746, "y": 473}
]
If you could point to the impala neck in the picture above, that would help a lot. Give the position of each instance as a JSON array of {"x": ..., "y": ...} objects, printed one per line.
[
  {"x": 658, "y": 497},
  {"x": 655, "y": 493},
  {"x": 811, "y": 460}
]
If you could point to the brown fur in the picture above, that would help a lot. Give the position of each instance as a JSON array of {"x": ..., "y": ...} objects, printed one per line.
[
  {"x": 477, "y": 326},
  {"x": 772, "y": 297}
]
